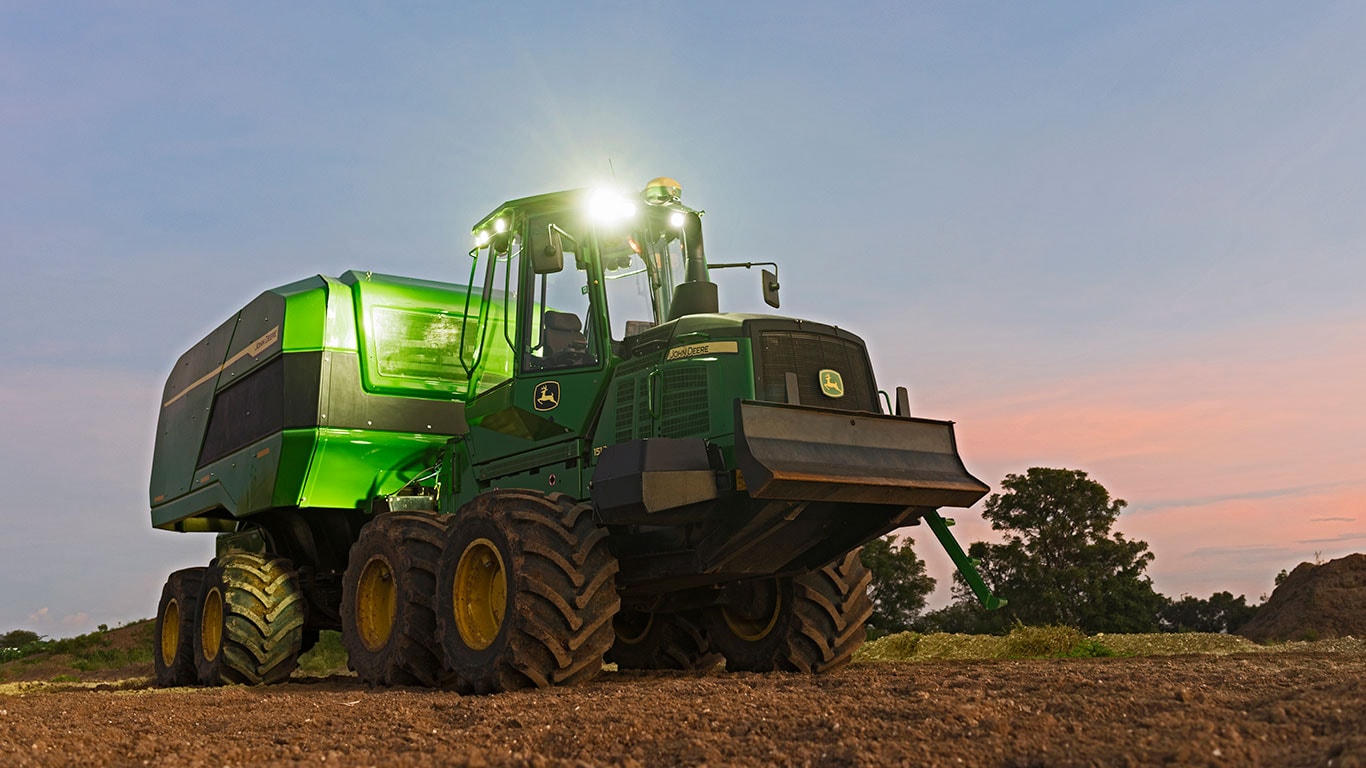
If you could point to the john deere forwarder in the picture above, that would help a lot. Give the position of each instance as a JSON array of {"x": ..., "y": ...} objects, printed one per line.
[{"x": 572, "y": 457}]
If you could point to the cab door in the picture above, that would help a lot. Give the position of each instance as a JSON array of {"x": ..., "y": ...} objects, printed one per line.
[{"x": 532, "y": 426}]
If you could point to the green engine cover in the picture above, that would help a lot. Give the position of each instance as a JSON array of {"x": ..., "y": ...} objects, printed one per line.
[{"x": 320, "y": 393}]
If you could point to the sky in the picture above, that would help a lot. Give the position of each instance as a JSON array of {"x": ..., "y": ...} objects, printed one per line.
[{"x": 1120, "y": 238}]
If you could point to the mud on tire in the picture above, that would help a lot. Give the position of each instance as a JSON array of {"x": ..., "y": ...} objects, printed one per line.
[
  {"x": 177, "y": 617},
  {"x": 251, "y": 621},
  {"x": 388, "y": 623},
  {"x": 662, "y": 641},
  {"x": 811, "y": 623},
  {"x": 526, "y": 592}
]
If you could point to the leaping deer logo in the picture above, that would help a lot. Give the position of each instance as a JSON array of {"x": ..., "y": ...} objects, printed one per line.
[
  {"x": 547, "y": 395},
  {"x": 832, "y": 384}
]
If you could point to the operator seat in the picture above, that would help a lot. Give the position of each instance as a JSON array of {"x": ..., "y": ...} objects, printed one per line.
[{"x": 565, "y": 343}]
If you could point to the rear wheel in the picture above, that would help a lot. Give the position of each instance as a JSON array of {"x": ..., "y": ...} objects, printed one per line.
[
  {"x": 647, "y": 640},
  {"x": 251, "y": 621},
  {"x": 809, "y": 623},
  {"x": 526, "y": 592},
  {"x": 388, "y": 625},
  {"x": 177, "y": 615}
]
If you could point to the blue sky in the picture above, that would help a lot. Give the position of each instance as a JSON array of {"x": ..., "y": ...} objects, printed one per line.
[{"x": 1125, "y": 238}]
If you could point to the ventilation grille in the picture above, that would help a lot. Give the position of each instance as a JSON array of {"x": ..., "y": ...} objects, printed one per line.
[
  {"x": 626, "y": 409},
  {"x": 685, "y": 410},
  {"x": 805, "y": 354}
]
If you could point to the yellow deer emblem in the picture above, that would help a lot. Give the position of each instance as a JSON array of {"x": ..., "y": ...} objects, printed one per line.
[
  {"x": 547, "y": 395},
  {"x": 832, "y": 384}
]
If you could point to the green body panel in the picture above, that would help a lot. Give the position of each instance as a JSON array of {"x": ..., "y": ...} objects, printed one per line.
[
  {"x": 351, "y": 466},
  {"x": 685, "y": 401},
  {"x": 317, "y": 394}
]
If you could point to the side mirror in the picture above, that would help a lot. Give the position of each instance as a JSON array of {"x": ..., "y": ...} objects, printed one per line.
[
  {"x": 547, "y": 251},
  {"x": 770, "y": 288}
]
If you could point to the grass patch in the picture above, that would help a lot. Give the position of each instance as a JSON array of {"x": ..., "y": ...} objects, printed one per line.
[
  {"x": 326, "y": 657},
  {"x": 1070, "y": 643},
  {"x": 111, "y": 658}
]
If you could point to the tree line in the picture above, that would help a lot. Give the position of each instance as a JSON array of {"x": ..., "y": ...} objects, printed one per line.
[{"x": 1061, "y": 563}]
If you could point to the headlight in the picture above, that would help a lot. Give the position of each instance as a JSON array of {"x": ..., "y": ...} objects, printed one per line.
[{"x": 608, "y": 207}]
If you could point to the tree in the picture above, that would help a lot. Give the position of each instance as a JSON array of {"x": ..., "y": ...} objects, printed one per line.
[
  {"x": 18, "y": 638},
  {"x": 900, "y": 584},
  {"x": 1222, "y": 612},
  {"x": 1060, "y": 562}
]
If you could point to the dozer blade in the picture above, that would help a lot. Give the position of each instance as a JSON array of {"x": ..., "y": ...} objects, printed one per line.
[{"x": 819, "y": 454}]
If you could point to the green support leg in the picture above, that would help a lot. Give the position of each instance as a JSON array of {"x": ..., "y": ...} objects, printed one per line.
[{"x": 966, "y": 565}]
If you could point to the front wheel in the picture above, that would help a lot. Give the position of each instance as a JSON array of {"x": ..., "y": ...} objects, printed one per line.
[
  {"x": 811, "y": 623},
  {"x": 526, "y": 592}
]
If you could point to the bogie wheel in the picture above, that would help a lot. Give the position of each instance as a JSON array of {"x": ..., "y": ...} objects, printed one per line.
[
  {"x": 388, "y": 623},
  {"x": 811, "y": 623},
  {"x": 526, "y": 592},
  {"x": 251, "y": 621},
  {"x": 177, "y": 614},
  {"x": 647, "y": 640}
]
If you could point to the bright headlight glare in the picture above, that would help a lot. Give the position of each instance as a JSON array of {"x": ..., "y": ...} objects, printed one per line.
[
  {"x": 676, "y": 219},
  {"x": 500, "y": 226},
  {"x": 481, "y": 239},
  {"x": 607, "y": 207}
]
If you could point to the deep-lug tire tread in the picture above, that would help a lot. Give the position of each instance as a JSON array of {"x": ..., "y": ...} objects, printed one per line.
[
  {"x": 675, "y": 641},
  {"x": 183, "y": 587},
  {"x": 263, "y": 620},
  {"x": 820, "y": 626},
  {"x": 412, "y": 543},
  {"x": 561, "y": 590}
]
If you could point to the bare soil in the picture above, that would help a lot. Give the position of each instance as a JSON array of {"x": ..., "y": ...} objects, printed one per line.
[{"x": 1282, "y": 709}]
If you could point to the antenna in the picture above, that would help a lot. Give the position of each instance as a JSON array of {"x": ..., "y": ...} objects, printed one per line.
[{"x": 612, "y": 168}]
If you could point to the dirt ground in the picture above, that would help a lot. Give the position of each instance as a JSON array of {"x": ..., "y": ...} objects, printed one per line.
[{"x": 1283, "y": 709}]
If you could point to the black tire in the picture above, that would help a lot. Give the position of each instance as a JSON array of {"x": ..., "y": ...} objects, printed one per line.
[
  {"x": 661, "y": 641},
  {"x": 526, "y": 592},
  {"x": 811, "y": 623},
  {"x": 251, "y": 621},
  {"x": 177, "y": 617},
  {"x": 388, "y": 625}
]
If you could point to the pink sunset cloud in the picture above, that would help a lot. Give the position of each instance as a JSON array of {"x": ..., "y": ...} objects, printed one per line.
[{"x": 1239, "y": 456}]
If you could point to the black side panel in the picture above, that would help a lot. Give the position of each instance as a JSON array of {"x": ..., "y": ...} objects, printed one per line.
[
  {"x": 284, "y": 393},
  {"x": 349, "y": 406},
  {"x": 250, "y": 409}
]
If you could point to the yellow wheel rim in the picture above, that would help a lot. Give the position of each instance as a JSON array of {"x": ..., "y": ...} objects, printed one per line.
[
  {"x": 376, "y": 603},
  {"x": 211, "y": 625},
  {"x": 630, "y": 628},
  {"x": 170, "y": 633},
  {"x": 752, "y": 626},
  {"x": 480, "y": 594}
]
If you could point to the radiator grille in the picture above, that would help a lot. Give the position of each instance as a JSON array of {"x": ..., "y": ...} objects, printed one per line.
[
  {"x": 626, "y": 411},
  {"x": 805, "y": 354},
  {"x": 685, "y": 408}
]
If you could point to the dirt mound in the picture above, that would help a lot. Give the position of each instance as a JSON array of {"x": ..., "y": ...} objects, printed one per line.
[{"x": 1314, "y": 602}]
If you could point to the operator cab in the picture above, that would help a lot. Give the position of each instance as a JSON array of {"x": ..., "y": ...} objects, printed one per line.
[{"x": 568, "y": 276}]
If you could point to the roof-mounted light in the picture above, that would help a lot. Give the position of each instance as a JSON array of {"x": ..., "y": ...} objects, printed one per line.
[
  {"x": 676, "y": 219},
  {"x": 608, "y": 207},
  {"x": 481, "y": 238}
]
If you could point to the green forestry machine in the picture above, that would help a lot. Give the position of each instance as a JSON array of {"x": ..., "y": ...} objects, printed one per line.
[{"x": 572, "y": 458}]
